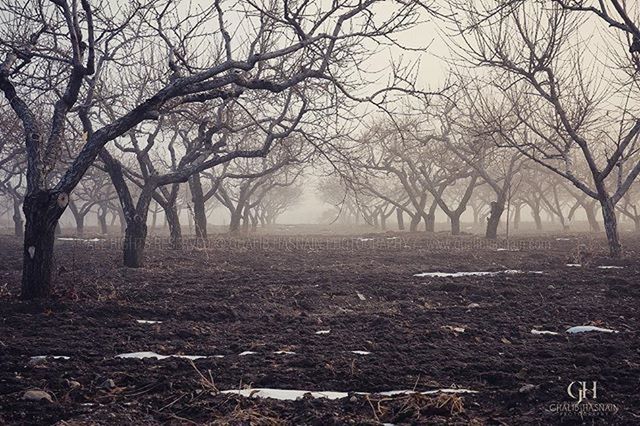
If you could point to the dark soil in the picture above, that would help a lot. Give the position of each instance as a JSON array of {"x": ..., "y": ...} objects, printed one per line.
[{"x": 276, "y": 293}]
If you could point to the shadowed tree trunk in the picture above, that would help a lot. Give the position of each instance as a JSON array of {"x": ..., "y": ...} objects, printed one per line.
[
  {"x": 175, "y": 230},
  {"x": 400, "y": 218},
  {"x": 493, "y": 221},
  {"x": 42, "y": 209},
  {"x": 611, "y": 227},
  {"x": 134, "y": 240},
  {"x": 430, "y": 222},
  {"x": 102, "y": 220},
  {"x": 535, "y": 212},
  {"x": 590, "y": 211},
  {"x": 18, "y": 223},
  {"x": 455, "y": 223},
  {"x": 199, "y": 210},
  {"x": 517, "y": 216},
  {"x": 236, "y": 218},
  {"x": 415, "y": 221}
]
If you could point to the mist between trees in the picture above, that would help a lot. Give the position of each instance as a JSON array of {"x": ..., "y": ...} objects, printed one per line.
[{"x": 131, "y": 110}]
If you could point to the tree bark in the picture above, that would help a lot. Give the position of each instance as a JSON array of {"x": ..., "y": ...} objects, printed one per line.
[
  {"x": 611, "y": 228},
  {"x": 18, "y": 223},
  {"x": 455, "y": 223},
  {"x": 430, "y": 222},
  {"x": 400, "y": 218},
  {"x": 535, "y": 212},
  {"x": 79, "y": 225},
  {"x": 175, "y": 231},
  {"x": 590, "y": 211},
  {"x": 493, "y": 221},
  {"x": 102, "y": 220},
  {"x": 517, "y": 216},
  {"x": 134, "y": 240},
  {"x": 199, "y": 210},
  {"x": 42, "y": 209},
  {"x": 415, "y": 221},
  {"x": 245, "y": 219},
  {"x": 234, "y": 223}
]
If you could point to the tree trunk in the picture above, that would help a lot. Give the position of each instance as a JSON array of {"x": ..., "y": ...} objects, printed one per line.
[
  {"x": 476, "y": 215},
  {"x": 455, "y": 223},
  {"x": 122, "y": 220},
  {"x": 591, "y": 217},
  {"x": 400, "y": 218},
  {"x": 236, "y": 217},
  {"x": 102, "y": 221},
  {"x": 536, "y": 218},
  {"x": 517, "y": 216},
  {"x": 245, "y": 220},
  {"x": 383, "y": 222},
  {"x": 430, "y": 222},
  {"x": 42, "y": 211},
  {"x": 611, "y": 228},
  {"x": 199, "y": 210},
  {"x": 79, "y": 225},
  {"x": 175, "y": 231},
  {"x": 415, "y": 221},
  {"x": 18, "y": 223},
  {"x": 493, "y": 221},
  {"x": 134, "y": 239}
]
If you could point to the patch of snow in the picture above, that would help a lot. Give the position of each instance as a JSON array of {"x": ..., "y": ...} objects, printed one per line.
[
  {"x": 448, "y": 390},
  {"x": 610, "y": 267},
  {"x": 365, "y": 239},
  {"x": 392, "y": 238},
  {"x": 563, "y": 239},
  {"x": 323, "y": 331},
  {"x": 284, "y": 353},
  {"x": 589, "y": 328},
  {"x": 361, "y": 352},
  {"x": 148, "y": 354},
  {"x": 43, "y": 357},
  {"x": 453, "y": 328},
  {"x": 474, "y": 274},
  {"x": 543, "y": 332},
  {"x": 91, "y": 240},
  {"x": 454, "y": 274},
  {"x": 285, "y": 394},
  {"x": 148, "y": 322},
  {"x": 574, "y": 265},
  {"x": 361, "y": 296},
  {"x": 247, "y": 353},
  {"x": 293, "y": 394}
]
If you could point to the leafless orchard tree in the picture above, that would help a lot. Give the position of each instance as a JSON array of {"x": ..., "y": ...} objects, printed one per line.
[{"x": 59, "y": 51}]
